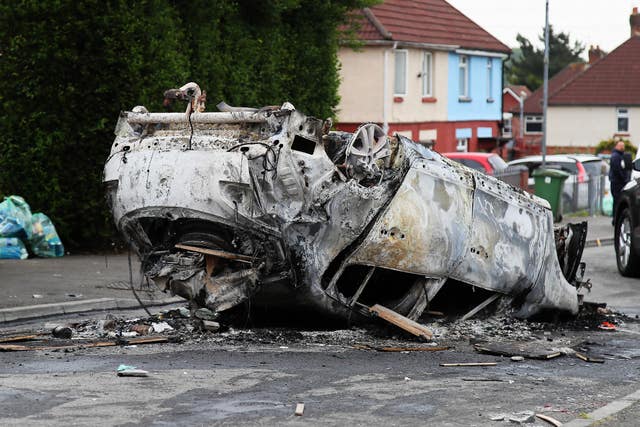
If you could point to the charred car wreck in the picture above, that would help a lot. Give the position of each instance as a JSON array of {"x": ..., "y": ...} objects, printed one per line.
[{"x": 270, "y": 206}]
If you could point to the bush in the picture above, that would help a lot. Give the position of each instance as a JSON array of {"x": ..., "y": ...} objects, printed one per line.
[
  {"x": 607, "y": 145},
  {"x": 69, "y": 66}
]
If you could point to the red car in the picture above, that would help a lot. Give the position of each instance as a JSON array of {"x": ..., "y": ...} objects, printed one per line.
[{"x": 489, "y": 163}]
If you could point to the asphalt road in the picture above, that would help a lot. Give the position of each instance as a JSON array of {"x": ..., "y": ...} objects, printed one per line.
[
  {"x": 622, "y": 293},
  {"x": 220, "y": 379}
]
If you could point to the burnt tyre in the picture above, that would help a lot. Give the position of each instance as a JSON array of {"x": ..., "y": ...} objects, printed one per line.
[{"x": 628, "y": 261}]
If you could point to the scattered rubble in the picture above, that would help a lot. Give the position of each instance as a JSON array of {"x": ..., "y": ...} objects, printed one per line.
[{"x": 131, "y": 371}]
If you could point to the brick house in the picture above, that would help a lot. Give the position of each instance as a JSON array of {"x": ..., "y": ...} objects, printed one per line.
[{"x": 426, "y": 71}]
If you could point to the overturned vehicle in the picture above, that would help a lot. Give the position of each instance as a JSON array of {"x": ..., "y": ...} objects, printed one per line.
[{"x": 269, "y": 206}]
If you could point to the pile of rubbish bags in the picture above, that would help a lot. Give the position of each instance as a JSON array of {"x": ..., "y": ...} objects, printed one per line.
[{"x": 20, "y": 229}]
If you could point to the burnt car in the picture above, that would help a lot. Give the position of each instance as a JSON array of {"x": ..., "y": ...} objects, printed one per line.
[{"x": 270, "y": 206}]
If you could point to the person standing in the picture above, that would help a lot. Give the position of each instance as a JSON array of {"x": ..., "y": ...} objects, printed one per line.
[{"x": 619, "y": 173}]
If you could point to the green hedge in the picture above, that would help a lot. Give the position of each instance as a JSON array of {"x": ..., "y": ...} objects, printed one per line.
[{"x": 69, "y": 66}]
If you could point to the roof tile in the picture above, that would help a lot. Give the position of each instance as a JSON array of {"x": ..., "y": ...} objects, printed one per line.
[{"x": 429, "y": 21}]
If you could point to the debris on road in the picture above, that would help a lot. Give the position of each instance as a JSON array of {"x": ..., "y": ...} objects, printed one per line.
[
  {"x": 401, "y": 322},
  {"x": 399, "y": 349},
  {"x": 62, "y": 332},
  {"x": 470, "y": 364},
  {"x": 131, "y": 371},
  {"x": 607, "y": 326},
  {"x": 299, "y": 409},
  {"x": 524, "y": 417},
  {"x": 549, "y": 419},
  {"x": 160, "y": 327},
  {"x": 268, "y": 206},
  {"x": 588, "y": 358},
  {"x": 530, "y": 350}
]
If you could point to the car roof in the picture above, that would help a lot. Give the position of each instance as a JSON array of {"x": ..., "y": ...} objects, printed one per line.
[
  {"x": 569, "y": 158},
  {"x": 468, "y": 155}
]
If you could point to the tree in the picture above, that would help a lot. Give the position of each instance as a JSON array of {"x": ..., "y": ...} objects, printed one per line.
[{"x": 528, "y": 67}]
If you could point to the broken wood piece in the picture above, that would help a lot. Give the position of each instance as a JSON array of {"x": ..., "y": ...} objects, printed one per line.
[
  {"x": 402, "y": 322},
  {"x": 528, "y": 350},
  {"x": 132, "y": 341},
  {"x": 447, "y": 365},
  {"x": 14, "y": 347},
  {"x": 482, "y": 305},
  {"x": 221, "y": 254},
  {"x": 549, "y": 419},
  {"x": 587, "y": 358},
  {"x": 497, "y": 380},
  {"x": 400, "y": 349},
  {"x": 19, "y": 338},
  {"x": 299, "y": 409}
]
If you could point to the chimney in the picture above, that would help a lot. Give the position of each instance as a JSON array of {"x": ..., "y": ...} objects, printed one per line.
[
  {"x": 634, "y": 22},
  {"x": 595, "y": 54}
]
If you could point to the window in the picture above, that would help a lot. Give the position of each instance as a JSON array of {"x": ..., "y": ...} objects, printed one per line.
[
  {"x": 463, "y": 77},
  {"x": 506, "y": 127},
  {"x": 533, "y": 124},
  {"x": 463, "y": 144},
  {"x": 623, "y": 119},
  {"x": 426, "y": 73},
  {"x": 489, "y": 79},
  {"x": 400, "y": 83}
]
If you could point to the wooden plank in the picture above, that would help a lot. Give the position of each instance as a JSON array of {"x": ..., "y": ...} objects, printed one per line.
[
  {"x": 14, "y": 347},
  {"x": 400, "y": 349},
  {"x": 549, "y": 419},
  {"x": 528, "y": 350},
  {"x": 400, "y": 321},
  {"x": 131, "y": 341},
  {"x": 482, "y": 305},
  {"x": 21, "y": 338},
  {"x": 220, "y": 254},
  {"x": 299, "y": 409},
  {"x": 469, "y": 364},
  {"x": 587, "y": 358}
]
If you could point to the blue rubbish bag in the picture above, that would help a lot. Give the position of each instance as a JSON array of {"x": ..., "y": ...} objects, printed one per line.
[
  {"x": 607, "y": 205},
  {"x": 12, "y": 248},
  {"x": 15, "y": 218},
  {"x": 44, "y": 240}
]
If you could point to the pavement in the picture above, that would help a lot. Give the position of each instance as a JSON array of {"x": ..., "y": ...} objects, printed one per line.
[{"x": 41, "y": 287}]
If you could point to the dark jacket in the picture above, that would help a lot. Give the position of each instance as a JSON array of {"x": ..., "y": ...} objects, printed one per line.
[{"x": 620, "y": 171}]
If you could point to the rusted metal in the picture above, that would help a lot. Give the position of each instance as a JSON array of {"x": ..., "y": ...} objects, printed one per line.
[{"x": 328, "y": 220}]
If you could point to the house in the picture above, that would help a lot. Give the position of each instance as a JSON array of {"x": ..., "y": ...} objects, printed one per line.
[
  {"x": 601, "y": 103},
  {"x": 590, "y": 102},
  {"x": 425, "y": 71},
  {"x": 530, "y": 142},
  {"x": 513, "y": 97}
]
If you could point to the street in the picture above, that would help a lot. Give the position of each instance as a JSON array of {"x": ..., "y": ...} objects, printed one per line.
[{"x": 258, "y": 376}]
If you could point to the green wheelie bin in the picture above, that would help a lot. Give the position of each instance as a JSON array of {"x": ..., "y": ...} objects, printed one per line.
[{"x": 549, "y": 184}]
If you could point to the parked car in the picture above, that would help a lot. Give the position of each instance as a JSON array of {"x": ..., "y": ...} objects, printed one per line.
[
  {"x": 579, "y": 167},
  {"x": 489, "y": 163},
  {"x": 626, "y": 240}
]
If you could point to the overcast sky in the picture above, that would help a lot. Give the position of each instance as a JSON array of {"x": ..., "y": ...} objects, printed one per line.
[{"x": 591, "y": 22}]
